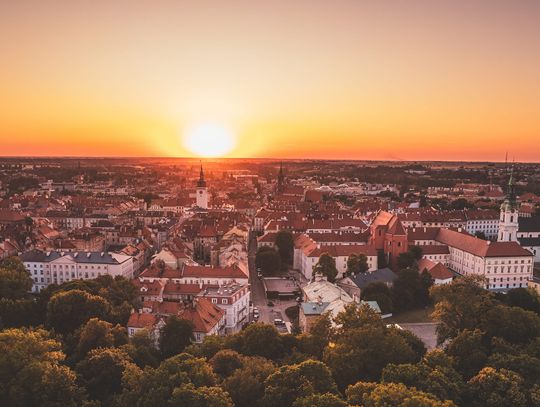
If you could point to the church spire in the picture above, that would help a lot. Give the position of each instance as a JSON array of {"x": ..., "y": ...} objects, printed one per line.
[
  {"x": 201, "y": 182},
  {"x": 510, "y": 201},
  {"x": 281, "y": 177}
]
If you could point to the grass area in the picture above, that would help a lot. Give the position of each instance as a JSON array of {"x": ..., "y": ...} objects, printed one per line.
[{"x": 414, "y": 315}]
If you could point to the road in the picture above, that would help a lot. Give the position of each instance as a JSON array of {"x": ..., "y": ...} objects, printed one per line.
[{"x": 258, "y": 297}]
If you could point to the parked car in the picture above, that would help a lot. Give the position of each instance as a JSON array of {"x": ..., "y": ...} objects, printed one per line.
[{"x": 278, "y": 322}]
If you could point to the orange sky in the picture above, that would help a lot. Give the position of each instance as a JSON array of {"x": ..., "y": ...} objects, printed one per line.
[{"x": 447, "y": 80}]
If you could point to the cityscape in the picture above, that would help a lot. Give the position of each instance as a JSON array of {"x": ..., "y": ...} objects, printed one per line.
[{"x": 270, "y": 204}]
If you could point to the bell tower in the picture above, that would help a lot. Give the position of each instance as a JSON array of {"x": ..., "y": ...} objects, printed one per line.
[
  {"x": 202, "y": 191},
  {"x": 508, "y": 221},
  {"x": 281, "y": 178}
]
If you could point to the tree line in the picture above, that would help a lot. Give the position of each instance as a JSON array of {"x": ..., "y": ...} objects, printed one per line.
[{"x": 79, "y": 354}]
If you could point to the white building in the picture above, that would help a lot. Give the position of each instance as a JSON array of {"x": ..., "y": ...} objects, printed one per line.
[
  {"x": 202, "y": 192},
  {"x": 58, "y": 267},
  {"x": 508, "y": 225},
  {"x": 307, "y": 253},
  {"x": 504, "y": 265}
]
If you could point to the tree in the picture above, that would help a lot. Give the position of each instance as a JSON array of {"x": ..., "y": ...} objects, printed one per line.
[
  {"x": 291, "y": 382},
  {"x": 154, "y": 387},
  {"x": 363, "y": 346},
  {"x": 259, "y": 340},
  {"x": 225, "y": 362},
  {"x": 320, "y": 400},
  {"x": 391, "y": 394},
  {"x": 460, "y": 305},
  {"x": 102, "y": 371},
  {"x": 189, "y": 395},
  {"x": 527, "y": 366},
  {"x": 405, "y": 290},
  {"x": 31, "y": 373},
  {"x": 15, "y": 281},
  {"x": 99, "y": 334},
  {"x": 176, "y": 334},
  {"x": 246, "y": 384},
  {"x": 460, "y": 204},
  {"x": 496, "y": 388},
  {"x": 327, "y": 267},
  {"x": 141, "y": 348},
  {"x": 357, "y": 263},
  {"x": 405, "y": 260},
  {"x": 469, "y": 352},
  {"x": 526, "y": 298},
  {"x": 513, "y": 324},
  {"x": 68, "y": 310},
  {"x": 285, "y": 246},
  {"x": 416, "y": 252},
  {"x": 268, "y": 260},
  {"x": 314, "y": 342},
  {"x": 480, "y": 235},
  {"x": 380, "y": 292},
  {"x": 434, "y": 374}
]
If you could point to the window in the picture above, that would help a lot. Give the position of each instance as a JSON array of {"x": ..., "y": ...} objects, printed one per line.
[{"x": 214, "y": 300}]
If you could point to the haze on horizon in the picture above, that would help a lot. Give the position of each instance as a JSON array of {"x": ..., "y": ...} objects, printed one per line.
[{"x": 349, "y": 79}]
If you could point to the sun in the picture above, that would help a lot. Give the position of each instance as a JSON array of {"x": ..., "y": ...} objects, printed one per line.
[{"x": 209, "y": 140}]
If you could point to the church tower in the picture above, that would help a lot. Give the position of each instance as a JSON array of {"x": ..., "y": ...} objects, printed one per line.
[
  {"x": 508, "y": 222},
  {"x": 281, "y": 178},
  {"x": 202, "y": 191}
]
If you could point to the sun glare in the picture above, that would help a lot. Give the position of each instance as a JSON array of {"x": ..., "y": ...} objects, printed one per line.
[{"x": 209, "y": 140}]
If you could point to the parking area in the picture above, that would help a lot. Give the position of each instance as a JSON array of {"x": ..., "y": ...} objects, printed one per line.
[{"x": 426, "y": 331}]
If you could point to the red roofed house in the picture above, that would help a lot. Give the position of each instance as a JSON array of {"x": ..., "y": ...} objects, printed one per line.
[
  {"x": 438, "y": 271},
  {"x": 389, "y": 237}
]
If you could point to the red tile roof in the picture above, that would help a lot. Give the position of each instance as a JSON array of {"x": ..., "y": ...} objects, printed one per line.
[
  {"x": 480, "y": 247},
  {"x": 142, "y": 320}
]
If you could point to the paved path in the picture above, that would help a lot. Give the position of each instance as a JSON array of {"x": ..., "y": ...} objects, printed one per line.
[{"x": 426, "y": 331}]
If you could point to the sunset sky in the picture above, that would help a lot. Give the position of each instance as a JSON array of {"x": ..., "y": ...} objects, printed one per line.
[{"x": 405, "y": 80}]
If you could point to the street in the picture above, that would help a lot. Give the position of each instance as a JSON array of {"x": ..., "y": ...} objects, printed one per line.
[{"x": 267, "y": 313}]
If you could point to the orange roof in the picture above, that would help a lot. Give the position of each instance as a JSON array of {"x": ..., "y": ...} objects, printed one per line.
[
  {"x": 437, "y": 270},
  {"x": 141, "y": 320},
  {"x": 179, "y": 288},
  {"x": 216, "y": 272},
  {"x": 155, "y": 272},
  {"x": 480, "y": 247}
]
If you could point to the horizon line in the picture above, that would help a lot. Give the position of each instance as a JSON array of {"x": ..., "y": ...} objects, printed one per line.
[{"x": 257, "y": 158}]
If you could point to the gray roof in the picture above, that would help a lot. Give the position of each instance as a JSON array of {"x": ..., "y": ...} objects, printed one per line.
[
  {"x": 529, "y": 241},
  {"x": 37, "y": 256},
  {"x": 385, "y": 275},
  {"x": 78, "y": 257},
  {"x": 314, "y": 308},
  {"x": 529, "y": 224}
]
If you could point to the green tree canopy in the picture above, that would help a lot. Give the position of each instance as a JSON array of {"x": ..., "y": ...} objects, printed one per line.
[
  {"x": 268, "y": 260},
  {"x": 102, "y": 372},
  {"x": 460, "y": 305},
  {"x": 496, "y": 388},
  {"x": 285, "y": 246},
  {"x": 357, "y": 263},
  {"x": 391, "y": 394},
  {"x": 291, "y": 382},
  {"x": 176, "y": 334},
  {"x": 31, "y": 373},
  {"x": 327, "y": 267},
  {"x": 15, "y": 281},
  {"x": 68, "y": 310}
]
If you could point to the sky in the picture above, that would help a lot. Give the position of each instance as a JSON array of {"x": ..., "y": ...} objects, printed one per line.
[{"x": 350, "y": 79}]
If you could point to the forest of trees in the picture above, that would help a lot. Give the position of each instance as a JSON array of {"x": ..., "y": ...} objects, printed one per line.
[{"x": 73, "y": 350}]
